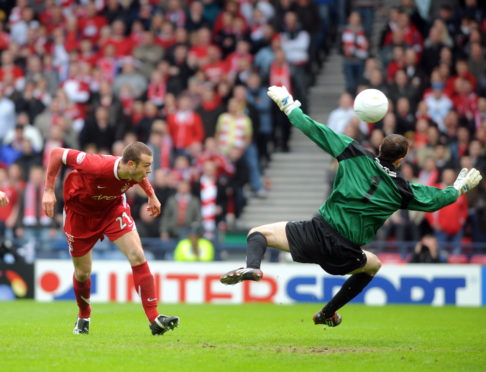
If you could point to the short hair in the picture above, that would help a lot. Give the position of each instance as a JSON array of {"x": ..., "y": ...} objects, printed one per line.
[
  {"x": 393, "y": 147},
  {"x": 134, "y": 150}
]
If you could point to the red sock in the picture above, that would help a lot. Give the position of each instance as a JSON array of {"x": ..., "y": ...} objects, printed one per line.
[
  {"x": 82, "y": 290},
  {"x": 145, "y": 286}
]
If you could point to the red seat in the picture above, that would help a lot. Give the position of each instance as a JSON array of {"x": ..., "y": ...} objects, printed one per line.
[
  {"x": 391, "y": 258},
  {"x": 478, "y": 259},
  {"x": 457, "y": 259}
]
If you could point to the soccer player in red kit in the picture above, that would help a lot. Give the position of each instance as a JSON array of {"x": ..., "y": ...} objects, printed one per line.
[{"x": 95, "y": 205}]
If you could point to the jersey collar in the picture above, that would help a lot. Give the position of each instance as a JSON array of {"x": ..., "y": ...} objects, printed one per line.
[
  {"x": 387, "y": 167},
  {"x": 115, "y": 168}
]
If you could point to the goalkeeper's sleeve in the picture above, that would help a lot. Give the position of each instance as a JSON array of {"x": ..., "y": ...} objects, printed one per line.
[{"x": 431, "y": 199}]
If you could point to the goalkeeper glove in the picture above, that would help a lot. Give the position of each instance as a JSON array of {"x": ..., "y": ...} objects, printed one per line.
[
  {"x": 467, "y": 180},
  {"x": 282, "y": 97}
]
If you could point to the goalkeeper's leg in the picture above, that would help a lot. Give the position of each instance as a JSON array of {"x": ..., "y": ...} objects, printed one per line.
[
  {"x": 359, "y": 279},
  {"x": 259, "y": 238}
]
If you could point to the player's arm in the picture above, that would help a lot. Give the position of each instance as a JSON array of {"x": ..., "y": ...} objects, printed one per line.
[
  {"x": 3, "y": 199},
  {"x": 430, "y": 199},
  {"x": 53, "y": 167},
  {"x": 328, "y": 140},
  {"x": 153, "y": 202}
]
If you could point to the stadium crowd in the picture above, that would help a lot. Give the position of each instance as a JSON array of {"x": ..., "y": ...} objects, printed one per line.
[{"x": 189, "y": 78}]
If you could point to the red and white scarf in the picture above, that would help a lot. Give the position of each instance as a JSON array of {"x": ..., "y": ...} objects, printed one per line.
[{"x": 209, "y": 192}]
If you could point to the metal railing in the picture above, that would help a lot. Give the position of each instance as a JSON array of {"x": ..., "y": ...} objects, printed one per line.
[{"x": 155, "y": 248}]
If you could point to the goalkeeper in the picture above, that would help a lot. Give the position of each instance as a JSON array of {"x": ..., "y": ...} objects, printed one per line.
[{"x": 367, "y": 190}]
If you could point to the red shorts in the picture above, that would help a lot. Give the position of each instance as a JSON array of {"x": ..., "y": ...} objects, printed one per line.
[{"x": 82, "y": 232}]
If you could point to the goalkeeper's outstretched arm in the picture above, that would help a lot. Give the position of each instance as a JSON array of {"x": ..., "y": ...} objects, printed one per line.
[
  {"x": 431, "y": 199},
  {"x": 328, "y": 140}
]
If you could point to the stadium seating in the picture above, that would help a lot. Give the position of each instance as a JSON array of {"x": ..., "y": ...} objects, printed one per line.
[
  {"x": 478, "y": 259},
  {"x": 457, "y": 259},
  {"x": 391, "y": 258}
]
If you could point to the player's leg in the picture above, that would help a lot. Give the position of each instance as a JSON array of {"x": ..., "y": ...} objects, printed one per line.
[
  {"x": 81, "y": 238},
  {"x": 82, "y": 291},
  {"x": 359, "y": 279},
  {"x": 259, "y": 238},
  {"x": 131, "y": 246}
]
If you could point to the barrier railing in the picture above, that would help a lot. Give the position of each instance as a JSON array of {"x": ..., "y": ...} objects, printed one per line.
[{"x": 158, "y": 249}]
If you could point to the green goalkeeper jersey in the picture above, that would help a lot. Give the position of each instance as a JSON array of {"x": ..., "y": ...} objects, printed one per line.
[{"x": 366, "y": 190}]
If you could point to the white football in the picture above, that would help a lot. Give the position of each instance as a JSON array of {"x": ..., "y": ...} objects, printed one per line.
[{"x": 371, "y": 105}]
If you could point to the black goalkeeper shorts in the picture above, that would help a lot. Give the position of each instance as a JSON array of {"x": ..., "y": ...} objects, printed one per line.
[{"x": 315, "y": 241}]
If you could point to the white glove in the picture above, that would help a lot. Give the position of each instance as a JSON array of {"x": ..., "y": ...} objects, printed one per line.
[
  {"x": 282, "y": 97},
  {"x": 467, "y": 180}
]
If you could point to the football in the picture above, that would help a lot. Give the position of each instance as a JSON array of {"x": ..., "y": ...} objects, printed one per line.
[{"x": 371, "y": 105}]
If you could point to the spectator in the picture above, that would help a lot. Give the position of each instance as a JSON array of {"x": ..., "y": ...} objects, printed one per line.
[
  {"x": 280, "y": 75},
  {"x": 401, "y": 87},
  {"x": 366, "y": 10},
  {"x": 182, "y": 67},
  {"x": 251, "y": 153},
  {"x": 27, "y": 102},
  {"x": 404, "y": 116},
  {"x": 433, "y": 46},
  {"x": 209, "y": 109},
  {"x": 429, "y": 174},
  {"x": 99, "y": 130},
  {"x": 426, "y": 251},
  {"x": 377, "y": 81},
  {"x": 54, "y": 115},
  {"x": 465, "y": 102},
  {"x": 160, "y": 142},
  {"x": 28, "y": 157},
  {"x": 233, "y": 183},
  {"x": 448, "y": 222},
  {"x": 212, "y": 153},
  {"x": 295, "y": 43},
  {"x": 195, "y": 17},
  {"x": 309, "y": 17},
  {"x": 341, "y": 116},
  {"x": 182, "y": 214},
  {"x": 257, "y": 96},
  {"x": 185, "y": 125},
  {"x": 144, "y": 126},
  {"x": 355, "y": 50},
  {"x": 122, "y": 44},
  {"x": 91, "y": 23},
  {"x": 477, "y": 65},
  {"x": 7, "y": 113},
  {"x": 28, "y": 131},
  {"x": 164, "y": 186},
  {"x": 438, "y": 104},
  {"x": 194, "y": 248},
  {"x": 33, "y": 225},
  {"x": 130, "y": 78},
  {"x": 148, "y": 54},
  {"x": 451, "y": 123},
  {"x": 213, "y": 199}
]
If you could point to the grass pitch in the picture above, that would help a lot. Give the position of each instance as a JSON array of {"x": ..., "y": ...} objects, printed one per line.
[{"x": 254, "y": 337}]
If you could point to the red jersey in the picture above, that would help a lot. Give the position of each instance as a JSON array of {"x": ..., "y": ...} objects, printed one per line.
[{"x": 93, "y": 188}]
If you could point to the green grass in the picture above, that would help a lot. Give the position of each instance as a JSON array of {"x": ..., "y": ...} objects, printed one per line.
[{"x": 258, "y": 337}]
